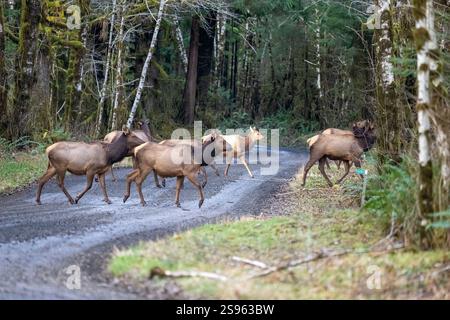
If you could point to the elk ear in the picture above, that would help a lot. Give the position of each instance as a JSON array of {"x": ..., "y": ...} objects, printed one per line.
[{"x": 125, "y": 130}]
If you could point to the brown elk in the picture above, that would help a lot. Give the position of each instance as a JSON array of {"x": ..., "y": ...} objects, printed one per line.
[
  {"x": 88, "y": 159},
  {"x": 172, "y": 142},
  {"x": 329, "y": 131},
  {"x": 143, "y": 134},
  {"x": 169, "y": 161},
  {"x": 345, "y": 147}
]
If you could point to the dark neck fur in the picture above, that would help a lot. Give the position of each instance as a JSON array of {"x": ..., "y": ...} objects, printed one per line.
[
  {"x": 366, "y": 141},
  {"x": 204, "y": 148},
  {"x": 117, "y": 150}
]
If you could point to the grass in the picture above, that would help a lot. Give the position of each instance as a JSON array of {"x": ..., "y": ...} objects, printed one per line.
[
  {"x": 20, "y": 169},
  {"x": 305, "y": 221}
]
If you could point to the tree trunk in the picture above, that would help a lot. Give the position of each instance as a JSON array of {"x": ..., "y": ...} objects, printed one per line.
[
  {"x": 118, "y": 96},
  {"x": 147, "y": 62},
  {"x": 220, "y": 47},
  {"x": 423, "y": 11},
  {"x": 388, "y": 112},
  {"x": 25, "y": 68},
  {"x": 205, "y": 58},
  {"x": 100, "y": 109},
  {"x": 319, "y": 61},
  {"x": 3, "y": 75},
  {"x": 180, "y": 41},
  {"x": 441, "y": 109},
  {"x": 190, "y": 89},
  {"x": 75, "y": 77}
]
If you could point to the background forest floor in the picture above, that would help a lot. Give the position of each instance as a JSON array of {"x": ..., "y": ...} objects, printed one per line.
[{"x": 299, "y": 223}]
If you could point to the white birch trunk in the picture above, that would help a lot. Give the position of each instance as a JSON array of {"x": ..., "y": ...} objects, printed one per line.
[
  {"x": 181, "y": 48},
  {"x": 222, "y": 21},
  {"x": 385, "y": 45},
  {"x": 423, "y": 94},
  {"x": 119, "y": 77},
  {"x": 318, "y": 56},
  {"x": 79, "y": 86},
  {"x": 105, "y": 80},
  {"x": 147, "y": 63}
]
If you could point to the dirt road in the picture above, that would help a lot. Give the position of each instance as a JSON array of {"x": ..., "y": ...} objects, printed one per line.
[{"x": 39, "y": 243}]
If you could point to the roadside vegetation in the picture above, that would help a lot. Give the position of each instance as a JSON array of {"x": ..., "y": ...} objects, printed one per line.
[
  {"x": 351, "y": 256},
  {"x": 20, "y": 168}
]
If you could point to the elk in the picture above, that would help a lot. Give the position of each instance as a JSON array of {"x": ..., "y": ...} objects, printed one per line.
[
  {"x": 197, "y": 144},
  {"x": 344, "y": 147},
  {"x": 236, "y": 146},
  {"x": 143, "y": 134},
  {"x": 329, "y": 131},
  {"x": 169, "y": 161},
  {"x": 88, "y": 159}
]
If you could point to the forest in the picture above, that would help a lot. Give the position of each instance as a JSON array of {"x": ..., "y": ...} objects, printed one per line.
[{"x": 79, "y": 69}]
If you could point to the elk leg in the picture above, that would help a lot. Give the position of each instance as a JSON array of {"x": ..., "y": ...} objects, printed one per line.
[
  {"x": 205, "y": 176},
  {"x": 60, "y": 178},
  {"x": 130, "y": 178},
  {"x": 228, "y": 162},
  {"x": 308, "y": 167},
  {"x": 214, "y": 166},
  {"x": 180, "y": 182},
  {"x": 51, "y": 172},
  {"x": 139, "y": 181},
  {"x": 347, "y": 170},
  {"x": 157, "y": 180},
  {"x": 338, "y": 164},
  {"x": 103, "y": 186},
  {"x": 328, "y": 165},
  {"x": 246, "y": 166},
  {"x": 194, "y": 181},
  {"x": 89, "y": 178},
  {"x": 322, "y": 170},
  {"x": 112, "y": 174}
]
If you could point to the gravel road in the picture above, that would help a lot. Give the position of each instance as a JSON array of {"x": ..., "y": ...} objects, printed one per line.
[{"x": 38, "y": 243}]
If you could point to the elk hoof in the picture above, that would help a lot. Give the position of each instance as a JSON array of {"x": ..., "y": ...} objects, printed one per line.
[
  {"x": 38, "y": 202},
  {"x": 107, "y": 201},
  {"x": 178, "y": 204},
  {"x": 204, "y": 185},
  {"x": 144, "y": 204},
  {"x": 71, "y": 201},
  {"x": 159, "y": 186},
  {"x": 200, "y": 203},
  {"x": 164, "y": 183},
  {"x": 125, "y": 198}
]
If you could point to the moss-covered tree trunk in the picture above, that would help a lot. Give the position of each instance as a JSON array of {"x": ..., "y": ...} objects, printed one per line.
[
  {"x": 30, "y": 19},
  {"x": 3, "y": 75},
  {"x": 423, "y": 10},
  {"x": 75, "y": 70},
  {"x": 388, "y": 112}
]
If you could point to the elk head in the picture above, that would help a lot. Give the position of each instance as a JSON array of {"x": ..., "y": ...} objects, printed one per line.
[{"x": 255, "y": 134}]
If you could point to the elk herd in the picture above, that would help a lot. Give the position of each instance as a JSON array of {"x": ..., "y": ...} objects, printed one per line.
[{"x": 183, "y": 158}]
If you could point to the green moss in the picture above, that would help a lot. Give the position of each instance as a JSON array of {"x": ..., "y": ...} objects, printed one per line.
[{"x": 421, "y": 36}]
